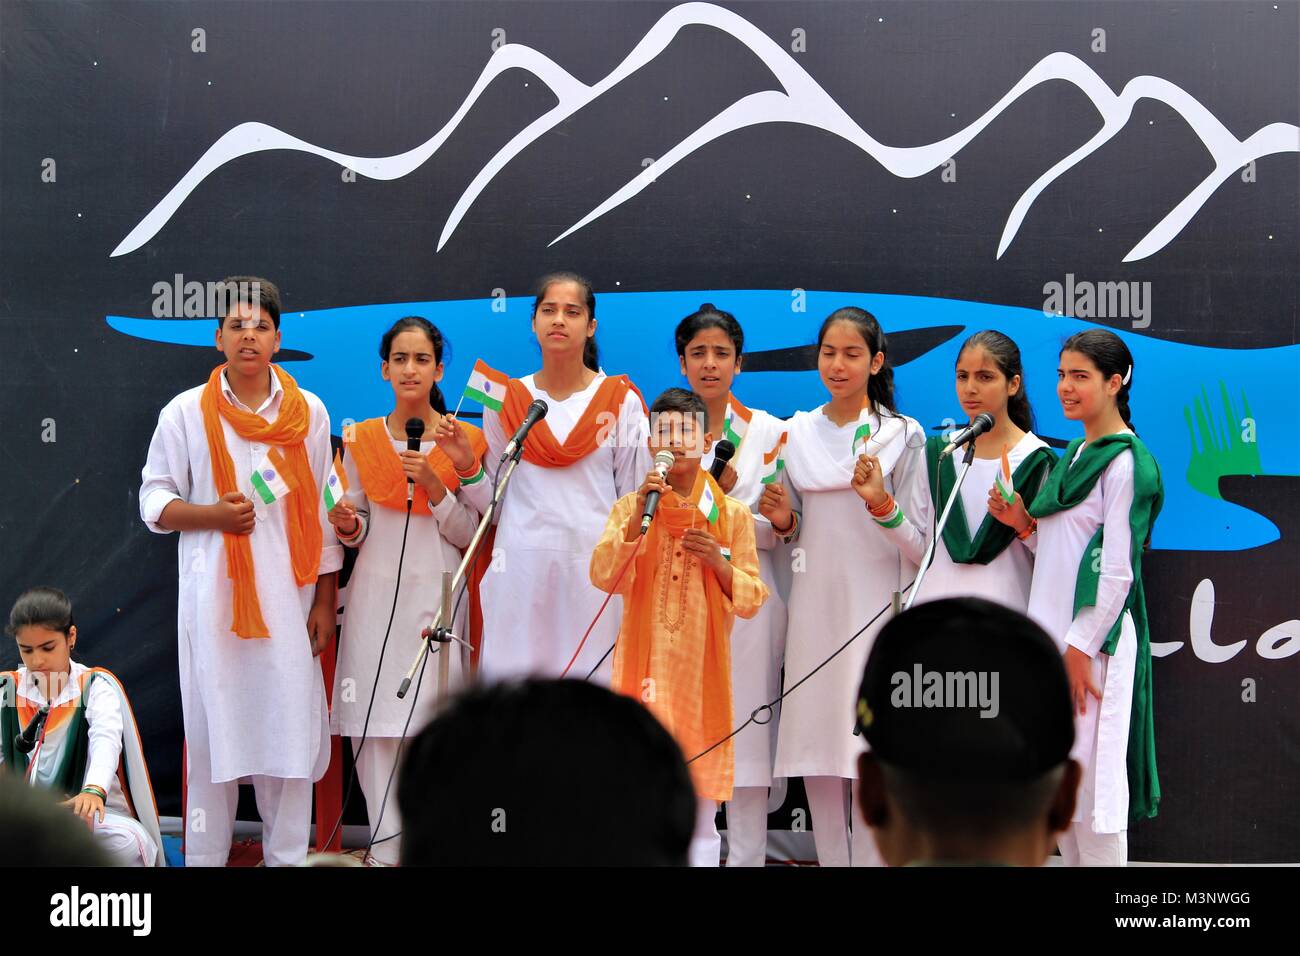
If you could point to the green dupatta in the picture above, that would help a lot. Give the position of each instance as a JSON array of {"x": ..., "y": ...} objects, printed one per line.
[{"x": 992, "y": 536}]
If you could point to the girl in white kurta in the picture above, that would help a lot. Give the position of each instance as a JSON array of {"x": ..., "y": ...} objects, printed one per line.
[
  {"x": 372, "y": 517},
  {"x": 710, "y": 346},
  {"x": 253, "y": 706},
  {"x": 1107, "y": 483},
  {"x": 87, "y": 708},
  {"x": 979, "y": 556},
  {"x": 589, "y": 451},
  {"x": 846, "y": 569}
]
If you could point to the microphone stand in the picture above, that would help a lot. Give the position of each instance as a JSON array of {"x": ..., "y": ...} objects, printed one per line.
[
  {"x": 36, "y": 730},
  {"x": 441, "y": 632},
  {"x": 938, "y": 529}
]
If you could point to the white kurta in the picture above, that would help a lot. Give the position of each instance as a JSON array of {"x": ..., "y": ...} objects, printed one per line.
[
  {"x": 757, "y": 644},
  {"x": 1101, "y": 733},
  {"x": 264, "y": 699},
  {"x": 848, "y": 570},
  {"x": 433, "y": 545},
  {"x": 1007, "y": 577},
  {"x": 119, "y": 832},
  {"x": 537, "y": 596}
]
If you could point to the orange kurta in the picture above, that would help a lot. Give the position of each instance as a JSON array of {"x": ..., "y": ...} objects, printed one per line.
[{"x": 674, "y": 645}]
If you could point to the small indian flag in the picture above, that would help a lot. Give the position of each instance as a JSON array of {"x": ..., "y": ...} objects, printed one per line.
[
  {"x": 336, "y": 485},
  {"x": 487, "y": 386},
  {"x": 736, "y": 423},
  {"x": 268, "y": 480},
  {"x": 707, "y": 505},
  {"x": 863, "y": 431},
  {"x": 860, "y": 436},
  {"x": 1003, "y": 481},
  {"x": 774, "y": 461}
]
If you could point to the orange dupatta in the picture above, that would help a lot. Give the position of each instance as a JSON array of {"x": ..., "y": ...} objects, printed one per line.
[
  {"x": 380, "y": 467},
  {"x": 703, "y": 726},
  {"x": 288, "y": 431},
  {"x": 541, "y": 448}
]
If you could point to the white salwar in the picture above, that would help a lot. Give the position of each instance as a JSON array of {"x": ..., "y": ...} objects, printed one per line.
[
  {"x": 847, "y": 570},
  {"x": 537, "y": 596},
  {"x": 1098, "y": 834},
  {"x": 1006, "y": 579},
  {"x": 434, "y": 543},
  {"x": 124, "y": 838},
  {"x": 253, "y": 708},
  {"x": 757, "y": 650}
]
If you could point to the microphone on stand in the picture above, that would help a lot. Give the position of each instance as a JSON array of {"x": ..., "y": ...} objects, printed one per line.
[
  {"x": 25, "y": 740},
  {"x": 663, "y": 462},
  {"x": 722, "y": 453},
  {"x": 536, "y": 412},
  {"x": 982, "y": 423},
  {"x": 414, "y": 432}
]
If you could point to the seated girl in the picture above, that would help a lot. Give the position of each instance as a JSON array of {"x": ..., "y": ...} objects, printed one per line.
[{"x": 70, "y": 728}]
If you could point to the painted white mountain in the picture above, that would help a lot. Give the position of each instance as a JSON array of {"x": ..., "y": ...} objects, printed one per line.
[{"x": 801, "y": 100}]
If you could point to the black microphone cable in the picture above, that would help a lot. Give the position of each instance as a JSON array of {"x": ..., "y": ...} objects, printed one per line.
[
  {"x": 374, "y": 688},
  {"x": 419, "y": 680},
  {"x": 753, "y": 717}
]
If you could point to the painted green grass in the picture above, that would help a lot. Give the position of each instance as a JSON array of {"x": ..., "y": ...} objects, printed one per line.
[{"x": 1223, "y": 443}]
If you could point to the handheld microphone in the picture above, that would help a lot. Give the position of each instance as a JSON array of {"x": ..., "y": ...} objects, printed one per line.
[
  {"x": 414, "y": 432},
  {"x": 722, "y": 453},
  {"x": 663, "y": 462},
  {"x": 536, "y": 412},
  {"x": 982, "y": 423},
  {"x": 25, "y": 740}
]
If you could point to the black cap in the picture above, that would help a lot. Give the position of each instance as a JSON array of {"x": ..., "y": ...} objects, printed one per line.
[{"x": 966, "y": 688}]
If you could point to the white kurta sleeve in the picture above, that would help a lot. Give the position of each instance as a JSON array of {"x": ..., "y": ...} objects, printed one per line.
[
  {"x": 457, "y": 520},
  {"x": 104, "y": 730},
  {"x": 632, "y": 459},
  {"x": 479, "y": 495},
  {"x": 321, "y": 454},
  {"x": 911, "y": 492},
  {"x": 796, "y": 509},
  {"x": 166, "y": 474},
  {"x": 1031, "y": 542},
  {"x": 1089, "y": 629},
  {"x": 765, "y": 538},
  {"x": 356, "y": 497}
]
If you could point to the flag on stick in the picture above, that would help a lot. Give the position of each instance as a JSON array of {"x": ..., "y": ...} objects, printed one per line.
[
  {"x": 774, "y": 461},
  {"x": 268, "y": 480},
  {"x": 1006, "y": 488},
  {"x": 487, "y": 386},
  {"x": 336, "y": 485}
]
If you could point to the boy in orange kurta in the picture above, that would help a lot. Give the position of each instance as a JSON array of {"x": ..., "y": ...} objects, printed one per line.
[{"x": 694, "y": 570}]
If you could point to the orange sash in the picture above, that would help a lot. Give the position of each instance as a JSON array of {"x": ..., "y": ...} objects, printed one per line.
[
  {"x": 288, "y": 431},
  {"x": 380, "y": 467},
  {"x": 700, "y": 727},
  {"x": 596, "y": 423}
]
